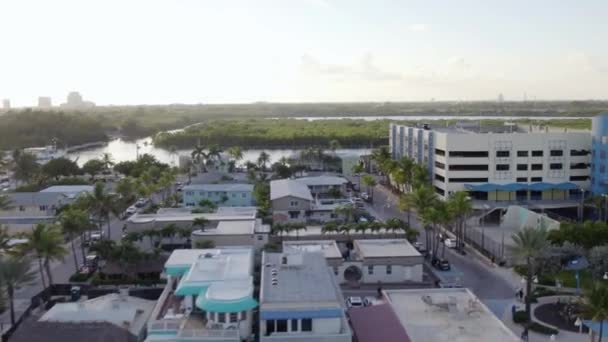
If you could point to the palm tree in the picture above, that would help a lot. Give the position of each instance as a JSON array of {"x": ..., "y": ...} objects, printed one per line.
[
  {"x": 151, "y": 234},
  {"x": 102, "y": 205},
  {"x": 530, "y": 247},
  {"x": 348, "y": 211},
  {"x": 420, "y": 176},
  {"x": 460, "y": 206},
  {"x": 200, "y": 222},
  {"x": 330, "y": 227},
  {"x": 263, "y": 159},
  {"x": 74, "y": 222},
  {"x": 107, "y": 160},
  {"x": 15, "y": 272},
  {"x": 5, "y": 203},
  {"x": 198, "y": 155},
  {"x": 46, "y": 241},
  {"x": 169, "y": 231},
  {"x": 406, "y": 204},
  {"x": 596, "y": 305},
  {"x": 5, "y": 239},
  {"x": 334, "y": 145},
  {"x": 236, "y": 153},
  {"x": 358, "y": 169},
  {"x": 173, "y": 153},
  {"x": 369, "y": 182}
]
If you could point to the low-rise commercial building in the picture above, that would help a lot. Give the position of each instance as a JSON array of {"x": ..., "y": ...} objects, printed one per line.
[
  {"x": 230, "y": 195},
  {"x": 446, "y": 315},
  {"x": 369, "y": 262},
  {"x": 208, "y": 297},
  {"x": 300, "y": 300}
]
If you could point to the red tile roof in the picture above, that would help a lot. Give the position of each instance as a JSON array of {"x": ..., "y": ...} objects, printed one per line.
[{"x": 377, "y": 323}]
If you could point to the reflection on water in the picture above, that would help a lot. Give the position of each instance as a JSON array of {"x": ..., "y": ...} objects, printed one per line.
[{"x": 122, "y": 150}]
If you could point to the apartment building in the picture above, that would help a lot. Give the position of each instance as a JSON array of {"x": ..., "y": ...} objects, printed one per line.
[
  {"x": 499, "y": 163},
  {"x": 300, "y": 300},
  {"x": 230, "y": 195}
]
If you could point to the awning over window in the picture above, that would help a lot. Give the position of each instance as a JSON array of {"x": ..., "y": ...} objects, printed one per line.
[{"x": 521, "y": 186}]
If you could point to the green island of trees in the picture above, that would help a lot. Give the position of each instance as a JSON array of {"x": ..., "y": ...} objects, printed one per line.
[{"x": 34, "y": 127}]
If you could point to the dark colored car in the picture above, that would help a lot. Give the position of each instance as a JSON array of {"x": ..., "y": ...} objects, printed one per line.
[{"x": 441, "y": 264}]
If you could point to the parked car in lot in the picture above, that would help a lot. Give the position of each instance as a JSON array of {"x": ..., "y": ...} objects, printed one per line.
[
  {"x": 366, "y": 197},
  {"x": 131, "y": 210},
  {"x": 354, "y": 302},
  {"x": 450, "y": 243},
  {"x": 358, "y": 202},
  {"x": 441, "y": 264}
]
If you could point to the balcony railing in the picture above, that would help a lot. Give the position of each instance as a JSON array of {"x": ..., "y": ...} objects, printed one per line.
[{"x": 232, "y": 334}]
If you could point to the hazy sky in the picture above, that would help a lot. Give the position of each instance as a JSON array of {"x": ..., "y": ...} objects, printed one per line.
[{"x": 191, "y": 51}]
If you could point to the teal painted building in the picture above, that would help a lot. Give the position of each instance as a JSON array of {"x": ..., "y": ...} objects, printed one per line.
[
  {"x": 223, "y": 195},
  {"x": 208, "y": 297}
]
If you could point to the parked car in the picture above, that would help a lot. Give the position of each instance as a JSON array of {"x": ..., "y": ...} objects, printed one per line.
[
  {"x": 441, "y": 264},
  {"x": 354, "y": 302},
  {"x": 92, "y": 260},
  {"x": 369, "y": 301},
  {"x": 142, "y": 202},
  {"x": 366, "y": 197},
  {"x": 131, "y": 210},
  {"x": 450, "y": 243}
]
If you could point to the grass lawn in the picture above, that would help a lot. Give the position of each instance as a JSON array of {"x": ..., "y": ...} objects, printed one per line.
[{"x": 567, "y": 278}]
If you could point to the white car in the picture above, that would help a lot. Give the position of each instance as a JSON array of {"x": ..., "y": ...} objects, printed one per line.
[
  {"x": 131, "y": 210},
  {"x": 96, "y": 236},
  {"x": 354, "y": 302},
  {"x": 450, "y": 243},
  {"x": 369, "y": 301}
]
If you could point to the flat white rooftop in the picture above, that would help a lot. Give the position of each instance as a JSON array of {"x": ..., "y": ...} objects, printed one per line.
[
  {"x": 328, "y": 248},
  {"x": 112, "y": 308},
  {"x": 188, "y": 217},
  {"x": 447, "y": 315},
  {"x": 382, "y": 248}
]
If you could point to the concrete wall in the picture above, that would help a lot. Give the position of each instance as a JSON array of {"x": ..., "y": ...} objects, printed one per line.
[
  {"x": 517, "y": 218},
  {"x": 399, "y": 273},
  {"x": 323, "y": 330},
  {"x": 28, "y": 211}
]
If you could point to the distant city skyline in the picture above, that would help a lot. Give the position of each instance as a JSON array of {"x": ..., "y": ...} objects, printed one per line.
[{"x": 237, "y": 51}]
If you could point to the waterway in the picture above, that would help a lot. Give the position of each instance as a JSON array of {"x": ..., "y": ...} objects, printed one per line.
[{"x": 122, "y": 150}]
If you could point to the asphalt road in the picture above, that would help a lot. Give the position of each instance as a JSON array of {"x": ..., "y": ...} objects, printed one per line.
[{"x": 486, "y": 281}]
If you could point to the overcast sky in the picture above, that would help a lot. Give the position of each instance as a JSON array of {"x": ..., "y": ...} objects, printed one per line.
[{"x": 197, "y": 51}]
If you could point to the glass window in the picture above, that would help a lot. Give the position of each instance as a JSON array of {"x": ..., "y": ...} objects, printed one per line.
[
  {"x": 536, "y": 167},
  {"x": 244, "y": 195},
  {"x": 234, "y": 317},
  {"x": 269, "y": 327},
  {"x": 522, "y": 179},
  {"x": 370, "y": 269},
  {"x": 293, "y": 203},
  {"x": 294, "y": 325},
  {"x": 522, "y": 153},
  {"x": 522, "y": 167},
  {"x": 602, "y": 154},
  {"x": 221, "y": 317},
  {"x": 389, "y": 269},
  {"x": 557, "y": 153},
  {"x": 556, "y": 166},
  {"x": 306, "y": 324},
  {"x": 243, "y": 315},
  {"x": 537, "y": 153},
  {"x": 502, "y": 167},
  {"x": 281, "y": 325},
  {"x": 536, "y": 179},
  {"x": 502, "y": 154}
]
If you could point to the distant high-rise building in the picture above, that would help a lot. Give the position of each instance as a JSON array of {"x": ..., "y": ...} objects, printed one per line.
[
  {"x": 6, "y": 104},
  {"x": 75, "y": 100},
  {"x": 500, "y": 98},
  {"x": 44, "y": 102}
]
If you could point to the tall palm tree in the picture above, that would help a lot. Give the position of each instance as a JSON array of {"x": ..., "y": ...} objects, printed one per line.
[
  {"x": 530, "y": 247},
  {"x": 198, "y": 155},
  {"x": 596, "y": 305},
  {"x": 46, "y": 242},
  {"x": 263, "y": 159},
  {"x": 236, "y": 153},
  {"x": 102, "y": 205},
  {"x": 15, "y": 272},
  {"x": 74, "y": 222},
  {"x": 107, "y": 160},
  {"x": 422, "y": 199},
  {"x": 169, "y": 231},
  {"x": 334, "y": 145},
  {"x": 370, "y": 183},
  {"x": 358, "y": 169},
  {"x": 406, "y": 204},
  {"x": 348, "y": 211},
  {"x": 420, "y": 176},
  {"x": 460, "y": 206},
  {"x": 5, "y": 203}
]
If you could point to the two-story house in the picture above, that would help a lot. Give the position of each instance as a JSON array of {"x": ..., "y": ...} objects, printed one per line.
[{"x": 228, "y": 195}]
